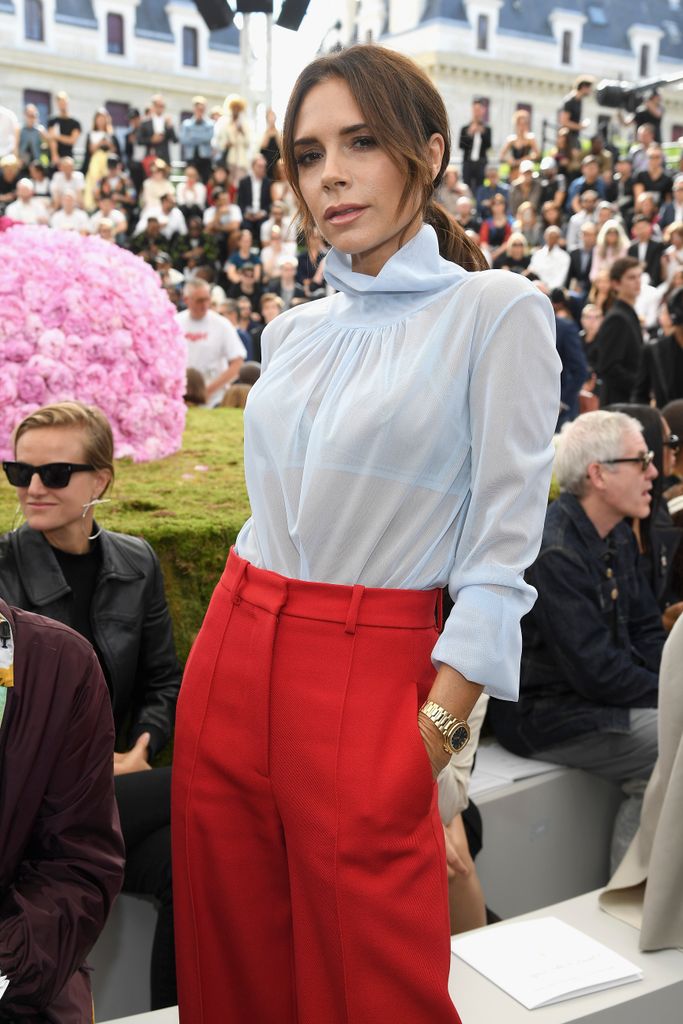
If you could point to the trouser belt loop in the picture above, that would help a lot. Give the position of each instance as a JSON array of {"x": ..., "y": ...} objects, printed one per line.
[
  {"x": 354, "y": 608},
  {"x": 241, "y": 569},
  {"x": 439, "y": 610}
]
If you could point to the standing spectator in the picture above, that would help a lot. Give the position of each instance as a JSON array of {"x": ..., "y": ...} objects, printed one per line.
[
  {"x": 135, "y": 151},
  {"x": 645, "y": 137},
  {"x": 520, "y": 145},
  {"x": 551, "y": 263},
  {"x": 253, "y": 196},
  {"x": 648, "y": 252},
  {"x": 232, "y": 137},
  {"x": 63, "y": 130},
  {"x": 612, "y": 244},
  {"x": 620, "y": 339},
  {"x": 571, "y": 353},
  {"x": 588, "y": 180},
  {"x": 660, "y": 375},
  {"x": 32, "y": 136},
  {"x": 581, "y": 261},
  {"x": 67, "y": 177},
  {"x": 570, "y": 115},
  {"x": 213, "y": 346},
  {"x": 9, "y": 130},
  {"x": 475, "y": 142},
  {"x": 196, "y": 134},
  {"x": 62, "y": 855},
  {"x": 70, "y": 217},
  {"x": 157, "y": 131},
  {"x": 271, "y": 143},
  {"x": 100, "y": 143},
  {"x": 654, "y": 178},
  {"x": 651, "y": 111},
  {"x": 26, "y": 208},
  {"x": 525, "y": 188}
]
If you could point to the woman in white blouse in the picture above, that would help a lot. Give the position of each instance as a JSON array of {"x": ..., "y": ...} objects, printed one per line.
[{"x": 398, "y": 440}]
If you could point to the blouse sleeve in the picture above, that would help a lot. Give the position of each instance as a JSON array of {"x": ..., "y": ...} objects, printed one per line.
[{"x": 513, "y": 404}]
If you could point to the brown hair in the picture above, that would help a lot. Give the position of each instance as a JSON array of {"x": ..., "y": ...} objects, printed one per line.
[
  {"x": 403, "y": 110},
  {"x": 98, "y": 442},
  {"x": 621, "y": 267}
]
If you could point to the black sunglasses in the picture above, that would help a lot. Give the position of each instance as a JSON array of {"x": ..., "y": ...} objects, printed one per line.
[
  {"x": 673, "y": 442},
  {"x": 644, "y": 460},
  {"x": 53, "y": 474}
]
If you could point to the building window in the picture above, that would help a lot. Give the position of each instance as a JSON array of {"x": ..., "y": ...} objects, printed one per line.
[
  {"x": 566, "y": 47},
  {"x": 483, "y": 32},
  {"x": 41, "y": 100},
  {"x": 115, "y": 33},
  {"x": 33, "y": 20},
  {"x": 118, "y": 113},
  {"x": 644, "y": 70},
  {"x": 190, "y": 47}
]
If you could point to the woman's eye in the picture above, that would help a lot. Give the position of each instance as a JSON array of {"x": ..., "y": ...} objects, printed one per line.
[
  {"x": 364, "y": 142},
  {"x": 306, "y": 159}
]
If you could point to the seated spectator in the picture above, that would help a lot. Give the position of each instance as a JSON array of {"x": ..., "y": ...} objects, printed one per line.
[
  {"x": 673, "y": 211},
  {"x": 525, "y": 188},
  {"x": 600, "y": 293},
  {"x": 213, "y": 346},
  {"x": 528, "y": 223},
  {"x": 550, "y": 263},
  {"x": 660, "y": 371},
  {"x": 228, "y": 309},
  {"x": 654, "y": 178},
  {"x": 10, "y": 173},
  {"x": 27, "y": 208},
  {"x": 603, "y": 212},
  {"x": 612, "y": 244},
  {"x": 62, "y": 856},
  {"x": 496, "y": 229},
  {"x": 156, "y": 186},
  {"x": 646, "y": 206},
  {"x": 646, "y": 250},
  {"x": 41, "y": 183},
  {"x": 106, "y": 230},
  {"x": 520, "y": 145},
  {"x": 673, "y": 414},
  {"x": 492, "y": 186},
  {"x": 591, "y": 321},
  {"x": 195, "y": 387},
  {"x": 672, "y": 257},
  {"x": 221, "y": 221},
  {"x": 593, "y": 641},
  {"x": 168, "y": 275},
  {"x": 581, "y": 261},
  {"x": 244, "y": 255},
  {"x": 246, "y": 284},
  {"x": 237, "y": 393},
  {"x": 587, "y": 213},
  {"x": 620, "y": 339},
  {"x": 286, "y": 285},
  {"x": 118, "y": 185},
  {"x": 589, "y": 179},
  {"x": 151, "y": 242},
  {"x": 67, "y": 177},
  {"x": 217, "y": 183},
  {"x": 107, "y": 211},
  {"x": 168, "y": 215},
  {"x": 108, "y": 587},
  {"x": 450, "y": 189},
  {"x": 279, "y": 217},
  {"x": 465, "y": 214},
  {"x": 274, "y": 252},
  {"x": 253, "y": 195},
  {"x": 191, "y": 194},
  {"x": 553, "y": 183},
  {"x": 567, "y": 154},
  {"x": 197, "y": 248},
  {"x": 516, "y": 255},
  {"x": 551, "y": 214},
  {"x": 570, "y": 350},
  {"x": 620, "y": 190},
  {"x": 70, "y": 217}
]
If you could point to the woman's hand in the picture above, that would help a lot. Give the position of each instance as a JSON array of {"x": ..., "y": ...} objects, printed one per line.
[
  {"x": 458, "y": 858},
  {"x": 136, "y": 759},
  {"x": 433, "y": 741}
]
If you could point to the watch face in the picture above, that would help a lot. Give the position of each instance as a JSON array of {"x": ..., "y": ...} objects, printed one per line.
[{"x": 460, "y": 737}]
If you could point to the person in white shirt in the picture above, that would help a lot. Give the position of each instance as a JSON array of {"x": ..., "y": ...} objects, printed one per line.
[
  {"x": 67, "y": 177},
  {"x": 191, "y": 192},
  {"x": 398, "y": 439},
  {"x": 279, "y": 217},
  {"x": 107, "y": 211},
  {"x": 588, "y": 212},
  {"x": 26, "y": 208},
  {"x": 550, "y": 263},
  {"x": 213, "y": 345},
  {"x": 167, "y": 212},
  {"x": 70, "y": 217},
  {"x": 9, "y": 131}
]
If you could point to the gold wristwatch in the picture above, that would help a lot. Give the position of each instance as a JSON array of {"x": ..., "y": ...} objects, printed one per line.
[{"x": 455, "y": 732}]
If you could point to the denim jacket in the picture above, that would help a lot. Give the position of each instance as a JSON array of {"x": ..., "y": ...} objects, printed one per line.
[{"x": 592, "y": 642}]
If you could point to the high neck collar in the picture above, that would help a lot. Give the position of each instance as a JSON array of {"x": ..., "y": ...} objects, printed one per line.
[{"x": 416, "y": 268}]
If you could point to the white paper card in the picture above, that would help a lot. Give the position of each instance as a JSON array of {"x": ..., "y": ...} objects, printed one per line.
[
  {"x": 543, "y": 961},
  {"x": 4, "y": 982}
]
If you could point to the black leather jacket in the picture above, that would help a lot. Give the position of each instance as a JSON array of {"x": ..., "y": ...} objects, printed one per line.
[{"x": 129, "y": 617}]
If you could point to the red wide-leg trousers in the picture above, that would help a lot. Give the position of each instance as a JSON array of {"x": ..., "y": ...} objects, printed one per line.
[{"x": 308, "y": 854}]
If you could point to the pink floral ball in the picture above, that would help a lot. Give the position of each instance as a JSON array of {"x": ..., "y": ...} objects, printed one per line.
[{"x": 81, "y": 318}]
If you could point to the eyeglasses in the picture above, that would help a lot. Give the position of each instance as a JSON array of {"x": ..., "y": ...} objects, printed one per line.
[
  {"x": 644, "y": 460},
  {"x": 54, "y": 475},
  {"x": 673, "y": 442}
]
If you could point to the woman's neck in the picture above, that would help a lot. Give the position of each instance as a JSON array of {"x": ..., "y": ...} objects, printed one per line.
[{"x": 74, "y": 539}]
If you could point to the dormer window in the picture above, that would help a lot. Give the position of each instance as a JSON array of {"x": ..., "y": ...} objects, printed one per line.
[
  {"x": 115, "y": 42},
  {"x": 34, "y": 28},
  {"x": 483, "y": 32}
]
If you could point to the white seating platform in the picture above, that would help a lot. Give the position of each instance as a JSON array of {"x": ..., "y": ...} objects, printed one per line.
[{"x": 657, "y": 999}]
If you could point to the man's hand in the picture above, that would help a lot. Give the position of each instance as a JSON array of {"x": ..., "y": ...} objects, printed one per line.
[{"x": 136, "y": 760}]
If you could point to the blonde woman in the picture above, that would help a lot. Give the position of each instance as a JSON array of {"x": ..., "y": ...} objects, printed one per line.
[{"x": 611, "y": 244}]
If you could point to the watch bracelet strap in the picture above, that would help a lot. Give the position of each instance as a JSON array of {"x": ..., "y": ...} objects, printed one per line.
[{"x": 444, "y": 721}]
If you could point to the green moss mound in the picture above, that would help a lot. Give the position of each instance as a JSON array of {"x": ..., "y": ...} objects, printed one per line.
[{"x": 189, "y": 507}]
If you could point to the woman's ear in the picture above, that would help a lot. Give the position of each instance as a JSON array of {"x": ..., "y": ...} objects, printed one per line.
[
  {"x": 102, "y": 481},
  {"x": 435, "y": 151}
]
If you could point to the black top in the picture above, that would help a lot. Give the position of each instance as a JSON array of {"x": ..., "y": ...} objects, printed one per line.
[
  {"x": 66, "y": 126},
  {"x": 660, "y": 187},
  {"x": 80, "y": 572}
]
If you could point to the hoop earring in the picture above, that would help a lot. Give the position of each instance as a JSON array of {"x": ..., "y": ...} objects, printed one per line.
[{"x": 88, "y": 505}]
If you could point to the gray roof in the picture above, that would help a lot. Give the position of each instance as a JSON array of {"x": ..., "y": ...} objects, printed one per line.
[
  {"x": 607, "y": 21},
  {"x": 79, "y": 11},
  {"x": 151, "y": 19}
]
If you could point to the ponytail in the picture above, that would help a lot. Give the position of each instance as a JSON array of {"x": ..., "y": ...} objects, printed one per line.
[{"x": 454, "y": 243}]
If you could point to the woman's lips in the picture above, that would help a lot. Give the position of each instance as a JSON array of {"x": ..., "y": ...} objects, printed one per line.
[{"x": 344, "y": 214}]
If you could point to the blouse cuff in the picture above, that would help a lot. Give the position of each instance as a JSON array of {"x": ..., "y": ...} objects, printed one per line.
[{"x": 482, "y": 638}]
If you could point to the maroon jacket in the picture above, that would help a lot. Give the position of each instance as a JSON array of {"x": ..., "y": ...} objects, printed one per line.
[{"x": 61, "y": 852}]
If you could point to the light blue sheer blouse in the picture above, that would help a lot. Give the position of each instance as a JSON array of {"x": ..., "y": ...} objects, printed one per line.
[{"x": 400, "y": 436}]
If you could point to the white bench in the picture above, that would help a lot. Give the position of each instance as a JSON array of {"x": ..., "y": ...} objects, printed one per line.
[{"x": 121, "y": 959}]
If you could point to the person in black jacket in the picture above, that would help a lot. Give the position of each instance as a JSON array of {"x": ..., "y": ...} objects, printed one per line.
[
  {"x": 61, "y": 854},
  {"x": 475, "y": 142},
  {"x": 648, "y": 252},
  {"x": 108, "y": 587},
  {"x": 660, "y": 375},
  {"x": 620, "y": 339}
]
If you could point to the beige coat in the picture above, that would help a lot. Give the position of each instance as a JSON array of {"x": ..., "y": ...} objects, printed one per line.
[{"x": 647, "y": 888}]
